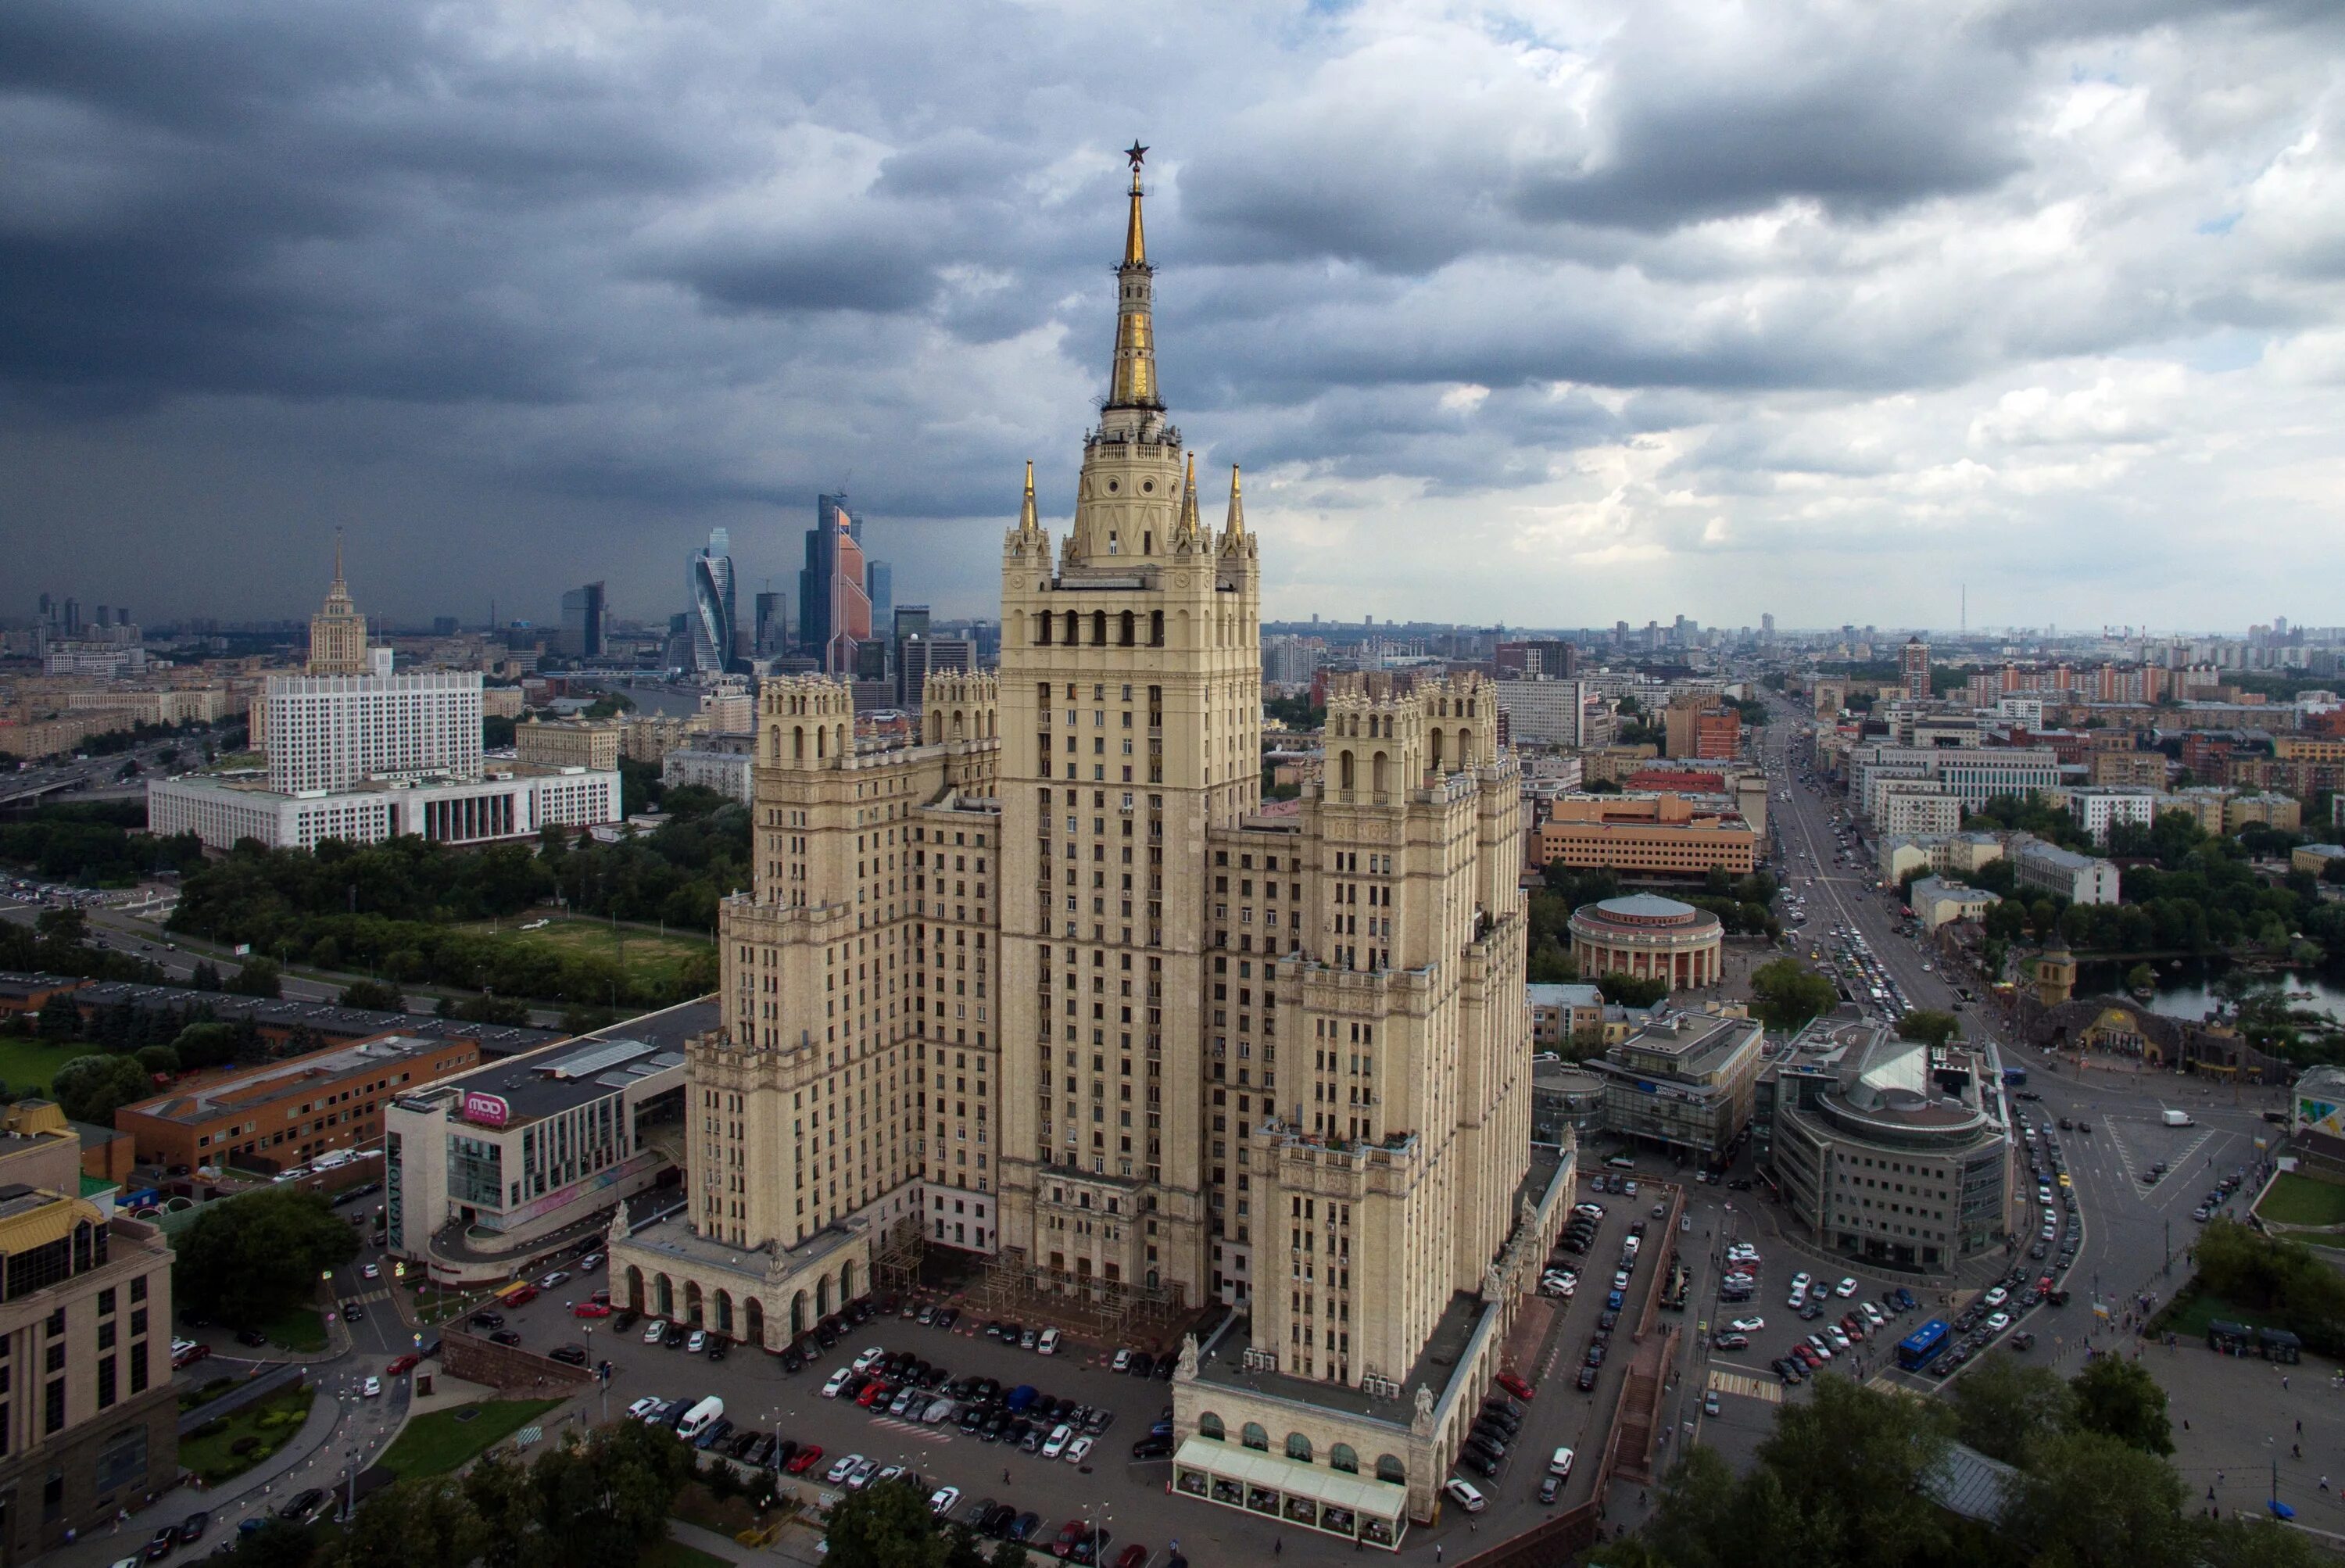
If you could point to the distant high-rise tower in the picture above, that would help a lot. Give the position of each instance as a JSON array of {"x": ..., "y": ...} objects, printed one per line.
[
  {"x": 833, "y": 587},
  {"x": 772, "y": 632},
  {"x": 1914, "y": 665},
  {"x": 338, "y": 632},
  {"x": 584, "y": 618},
  {"x": 711, "y": 616},
  {"x": 880, "y": 587}
]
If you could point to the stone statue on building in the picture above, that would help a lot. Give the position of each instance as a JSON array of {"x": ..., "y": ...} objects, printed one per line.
[
  {"x": 1423, "y": 1425},
  {"x": 1493, "y": 1288},
  {"x": 1186, "y": 1371}
]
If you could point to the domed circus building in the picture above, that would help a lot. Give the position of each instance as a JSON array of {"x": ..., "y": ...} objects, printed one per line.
[{"x": 1645, "y": 935}]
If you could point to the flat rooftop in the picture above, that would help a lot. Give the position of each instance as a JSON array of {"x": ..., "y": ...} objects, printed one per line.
[
  {"x": 279, "y": 1080},
  {"x": 1445, "y": 1347},
  {"x": 1692, "y": 1045},
  {"x": 326, "y": 1018},
  {"x": 591, "y": 1067}
]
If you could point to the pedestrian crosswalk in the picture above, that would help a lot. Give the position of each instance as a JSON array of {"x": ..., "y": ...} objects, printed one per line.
[
  {"x": 1743, "y": 1383},
  {"x": 938, "y": 1433}
]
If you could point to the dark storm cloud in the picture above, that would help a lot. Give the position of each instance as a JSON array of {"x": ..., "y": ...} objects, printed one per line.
[{"x": 604, "y": 277}]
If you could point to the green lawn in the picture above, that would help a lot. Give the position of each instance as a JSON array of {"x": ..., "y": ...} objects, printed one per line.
[
  {"x": 2300, "y": 1200},
  {"x": 439, "y": 1443},
  {"x": 677, "y": 1554},
  {"x": 27, "y": 1064},
  {"x": 648, "y": 956},
  {"x": 193, "y": 1399},
  {"x": 301, "y": 1329},
  {"x": 210, "y": 1450}
]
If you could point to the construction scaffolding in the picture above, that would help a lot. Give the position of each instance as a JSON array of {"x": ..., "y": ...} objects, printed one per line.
[{"x": 1085, "y": 1306}]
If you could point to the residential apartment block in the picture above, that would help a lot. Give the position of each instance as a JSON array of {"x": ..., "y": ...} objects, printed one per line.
[{"x": 1661, "y": 833}]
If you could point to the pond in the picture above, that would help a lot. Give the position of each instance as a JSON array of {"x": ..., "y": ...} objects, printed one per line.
[{"x": 2186, "y": 992}]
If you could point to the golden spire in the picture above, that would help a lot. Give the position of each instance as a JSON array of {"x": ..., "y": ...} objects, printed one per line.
[
  {"x": 1135, "y": 239},
  {"x": 337, "y": 558},
  {"x": 1028, "y": 522},
  {"x": 1133, "y": 382},
  {"x": 1233, "y": 531},
  {"x": 1187, "y": 529}
]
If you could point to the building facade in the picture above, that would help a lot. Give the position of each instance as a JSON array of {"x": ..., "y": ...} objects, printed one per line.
[
  {"x": 2047, "y": 867},
  {"x": 1891, "y": 1152},
  {"x": 1046, "y": 984},
  {"x": 1659, "y": 835},
  {"x": 568, "y": 743},
  {"x": 712, "y": 615},
  {"x": 334, "y": 731},
  {"x": 1684, "y": 1081},
  {"x": 1649, "y": 937},
  {"x": 89, "y": 1419},
  {"x": 338, "y": 644}
]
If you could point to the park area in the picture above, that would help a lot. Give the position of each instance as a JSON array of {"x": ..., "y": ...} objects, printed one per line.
[
  {"x": 27, "y": 1065},
  {"x": 226, "y": 1446},
  {"x": 653, "y": 961},
  {"x": 2300, "y": 1200},
  {"x": 443, "y": 1441}
]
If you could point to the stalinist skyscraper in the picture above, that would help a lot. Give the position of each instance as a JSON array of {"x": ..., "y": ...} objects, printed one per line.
[
  {"x": 1045, "y": 985},
  {"x": 338, "y": 632}
]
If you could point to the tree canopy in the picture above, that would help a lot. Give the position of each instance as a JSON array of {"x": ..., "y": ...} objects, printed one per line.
[
  {"x": 248, "y": 1260},
  {"x": 1786, "y": 993}
]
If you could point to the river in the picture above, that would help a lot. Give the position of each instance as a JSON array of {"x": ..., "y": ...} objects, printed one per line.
[{"x": 2186, "y": 991}]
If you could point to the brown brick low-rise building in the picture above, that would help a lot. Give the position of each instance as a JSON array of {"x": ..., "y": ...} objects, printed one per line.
[
  {"x": 288, "y": 1112},
  {"x": 1658, "y": 834}
]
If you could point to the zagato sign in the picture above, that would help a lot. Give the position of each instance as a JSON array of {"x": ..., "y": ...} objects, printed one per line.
[{"x": 486, "y": 1110}]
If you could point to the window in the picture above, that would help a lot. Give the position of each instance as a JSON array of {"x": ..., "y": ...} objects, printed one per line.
[
  {"x": 1341, "y": 1456},
  {"x": 1390, "y": 1469},
  {"x": 1209, "y": 1425},
  {"x": 1298, "y": 1447},
  {"x": 1254, "y": 1437}
]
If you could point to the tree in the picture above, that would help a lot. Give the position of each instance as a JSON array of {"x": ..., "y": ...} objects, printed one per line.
[
  {"x": 206, "y": 1043},
  {"x": 1930, "y": 1025},
  {"x": 258, "y": 977},
  {"x": 2093, "y": 1502},
  {"x": 497, "y": 1488},
  {"x": 374, "y": 995},
  {"x": 2007, "y": 1410},
  {"x": 278, "y": 1543},
  {"x": 60, "y": 1020},
  {"x": 1786, "y": 993},
  {"x": 251, "y": 1260},
  {"x": 154, "y": 1059},
  {"x": 1625, "y": 990},
  {"x": 92, "y": 1088},
  {"x": 424, "y": 1522},
  {"x": 2119, "y": 1399},
  {"x": 602, "y": 1502},
  {"x": 206, "y": 977},
  {"x": 884, "y": 1527},
  {"x": 2141, "y": 977}
]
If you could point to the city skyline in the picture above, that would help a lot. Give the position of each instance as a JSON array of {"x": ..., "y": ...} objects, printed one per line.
[{"x": 1572, "y": 350}]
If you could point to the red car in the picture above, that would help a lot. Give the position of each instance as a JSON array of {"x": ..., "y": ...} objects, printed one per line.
[
  {"x": 1516, "y": 1386},
  {"x": 805, "y": 1459},
  {"x": 188, "y": 1354},
  {"x": 874, "y": 1394},
  {"x": 591, "y": 1310},
  {"x": 1132, "y": 1556},
  {"x": 404, "y": 1364}
]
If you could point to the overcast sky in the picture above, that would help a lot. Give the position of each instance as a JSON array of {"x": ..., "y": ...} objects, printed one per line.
[{"x": 1553, "y": 315}]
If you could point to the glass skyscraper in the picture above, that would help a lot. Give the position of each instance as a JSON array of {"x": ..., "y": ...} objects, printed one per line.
[{"x": 711, "y": 616}]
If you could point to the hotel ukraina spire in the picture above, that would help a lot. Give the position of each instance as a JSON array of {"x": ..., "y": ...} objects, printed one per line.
[{"x": 1049, "y": 987}]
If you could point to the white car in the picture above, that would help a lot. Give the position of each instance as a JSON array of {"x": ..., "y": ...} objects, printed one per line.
[
  {"x": 372, "y": 1389},
  {"x": 843, "y": 1468},
  {"x": 1056, "y": 1443},
  {"x": 1620, "y": 1279},
  {"x": 862, "y": 1476},
  {"x": 863, "y": 1362},
  {"x": 555, "y": 1280},
  {"x": 943, "y": 1501},
  {"x": 1560, "y": 1465},
  {"x": 1049, "y": 1344},
  {"x": 1799, "y": 1283},
  {"x": 1838, "y": 1336},
  {"x": 697, "y": 1343},
  {"x": 1997, "y": 1322},
  {"x": 1078, "y": 1451},
  {"x": 1748, "y": 1325},
  {"x": 655, "y": 1332},
  {"x": 1464, "y": 1496},
  {"x": 372, "y": 1271},
  {"x": 1997, "y": 1296},
  {"x": 1874, "y": 1315},
  {"x": 838, "y": 1381},
  {"x": 643, "y": 1407},
  {"x": 1122, "y": 1361},
  {"x": 1845, "y": 1287}
]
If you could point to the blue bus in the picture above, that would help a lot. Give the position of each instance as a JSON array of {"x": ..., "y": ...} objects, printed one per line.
[
  {"x": 1919, "y": 1348},
  {"x": 2015, "y": 1074}
]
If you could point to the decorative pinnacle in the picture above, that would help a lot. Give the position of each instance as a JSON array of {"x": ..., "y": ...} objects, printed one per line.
[
  {"x": 1235, "y": 529},
  {"x": 1028, "y": 522}
]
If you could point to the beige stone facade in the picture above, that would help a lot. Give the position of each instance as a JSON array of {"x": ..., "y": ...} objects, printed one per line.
[
  {"x": 1048, "y": 982},
  {"x": 338, "y": 642},
  {"x": 568, "y": 743}
]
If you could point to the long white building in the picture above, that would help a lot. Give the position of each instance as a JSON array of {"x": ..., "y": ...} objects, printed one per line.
[{"x": 333, "y": 731}]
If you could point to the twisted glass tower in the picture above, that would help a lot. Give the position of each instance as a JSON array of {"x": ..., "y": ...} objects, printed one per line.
[{"x": 712, "y": 616}]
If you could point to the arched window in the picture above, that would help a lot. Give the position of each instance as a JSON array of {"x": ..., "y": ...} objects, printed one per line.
[
  {"x": 1298, "y": 1447},
  {"x": 1042, "y": 629},
  {"x": 1123, "y": 639},
  {"x": 1254, "y": 1437},
  {"x": 1344, "y": 772},
  {"x": 1071, "y": 638},
  {"x": 797, "y": 744},
  {"x": 1209, "y": 1425},
  {"x": 1099, "y": 628},
  {"x": 1341, "y": 1456},
  {"x": 1389, "y": 1468}
]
